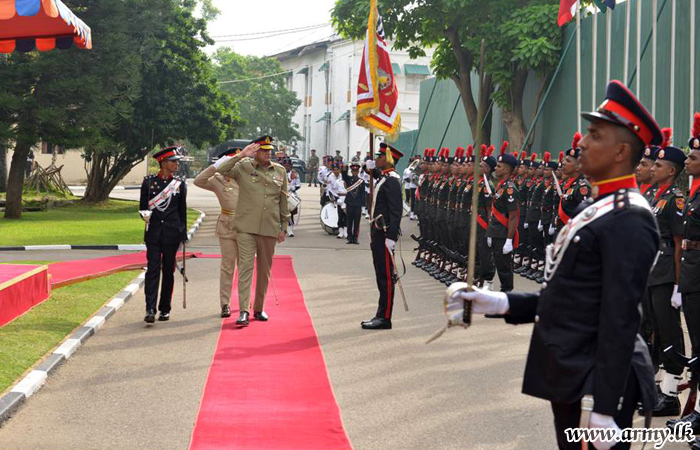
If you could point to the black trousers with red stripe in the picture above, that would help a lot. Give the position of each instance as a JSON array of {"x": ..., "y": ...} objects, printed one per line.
[
  {"x": 384, "y": 271},
  {"x": 161, "y": 259}
]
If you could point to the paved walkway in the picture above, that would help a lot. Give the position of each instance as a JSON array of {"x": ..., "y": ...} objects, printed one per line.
[{"x": 132, "y": 387}]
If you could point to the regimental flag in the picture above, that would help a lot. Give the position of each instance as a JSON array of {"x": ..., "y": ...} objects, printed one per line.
[
  {"x": 604, "y": 4},
  {"x": 377, "y": 94},
  {"x": 567, "y": 11}
]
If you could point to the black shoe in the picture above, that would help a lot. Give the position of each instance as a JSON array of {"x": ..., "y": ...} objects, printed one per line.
[
  {"x": 225, "y": 311},
  {"x": 693, "y": 419},
  {"x": 150, "y": 316},
  {"x": 377, "y": 324},
  {"x": 261, "y": 316},
  {"x": 164, "y": 317},
  {"x": 667, "y": 406},
  {"x": 538, "y": 275},
  {"x": 696, "y": 444},
  {"x": 243, "y": 319}
]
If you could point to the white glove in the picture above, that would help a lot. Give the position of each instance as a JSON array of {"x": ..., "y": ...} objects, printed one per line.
[
  {"x": 221, "y": 161},
  {"x": 526, "y": 225},
  {"x": 488, "y": 242},
  {"x": 508, "y": 246},
  {"x": 370, "y": 164},
  {"x": 390, "y": 244},
  {"x": 540, "y": 227},
  {"x": 604, "y": 422},
  {"x": 552, "y": 230},
  {"x": 676, "y": 298},
  {"x": 483, "y": 301}
]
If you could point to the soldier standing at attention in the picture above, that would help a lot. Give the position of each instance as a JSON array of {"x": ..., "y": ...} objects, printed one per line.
[
  {"x": 667, "y": 205},
  {"x": 585, "y": 350},
  {"x": 226, "y": 191},
  {"x": 503, "y": 227},
  {"x": 643, "y": 172},
  {"x": 261, "y": 220},
  {"x": 354, "y": 201},
  {"x": 577, "y": 188},
  {"x": 165, "y": 196},
  {"x": 312, "y": 168}
]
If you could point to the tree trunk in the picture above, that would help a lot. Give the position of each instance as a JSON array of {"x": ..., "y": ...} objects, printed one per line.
[
  {"x": 513, "y": 117},
  {"x": 3, "y": 167},
  {"x": 15, "y": 181},
  {"x": 103, "y": 176}
]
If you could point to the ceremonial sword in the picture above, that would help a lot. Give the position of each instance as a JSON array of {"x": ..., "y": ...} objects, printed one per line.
[{"x": 393, "y": 261}]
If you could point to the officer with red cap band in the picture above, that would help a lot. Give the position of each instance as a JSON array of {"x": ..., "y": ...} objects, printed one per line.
[{"x": 585, "y": 349}]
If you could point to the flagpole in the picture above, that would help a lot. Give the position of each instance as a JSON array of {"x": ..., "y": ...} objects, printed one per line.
[
  {"x": 371, "y": 177},
  {"x": 628, "y": 15},
  {"x": 672, "y": 106},
  {"x": 639, "y": 47},
  {"x": 594, "y": 59},
  {"x": 653, "y": 58},
  {"x": 578, "y": 66}
]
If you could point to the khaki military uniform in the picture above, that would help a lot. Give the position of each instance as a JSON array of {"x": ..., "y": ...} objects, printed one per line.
[
  {"x": 227, "y": 193},
  {"x": 261, "y": 215}
]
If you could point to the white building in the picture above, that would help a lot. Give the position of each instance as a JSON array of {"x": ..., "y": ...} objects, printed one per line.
[{"x": 324, "y": 76}]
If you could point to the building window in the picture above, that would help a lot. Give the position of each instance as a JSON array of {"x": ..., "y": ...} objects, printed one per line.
[
  {"x": 413, "y": 82},
  {"x": 48, "y": 149}
]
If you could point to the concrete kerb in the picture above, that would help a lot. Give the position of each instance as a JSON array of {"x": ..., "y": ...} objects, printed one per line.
[
  {"x": 37, "y": 377},
  {"x": 121, "y": 247}
]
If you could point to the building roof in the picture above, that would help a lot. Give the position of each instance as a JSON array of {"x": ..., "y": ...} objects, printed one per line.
[{"x": 306, "y": 48}]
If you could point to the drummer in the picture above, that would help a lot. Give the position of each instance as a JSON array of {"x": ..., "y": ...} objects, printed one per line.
[
  {"x": 337, "y": 192},
  {"x": 293, "y": 183}
]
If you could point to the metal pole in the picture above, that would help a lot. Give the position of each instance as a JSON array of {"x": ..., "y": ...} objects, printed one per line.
[
  {"x": 646, "y": 43},
  {"x": 692, "y": 60},
  {"x": 549, "y": 88},
  {"x": 638, "y": 5},
  {"x": 594, "y": 62},
  {"x": 608, "y": 46},
  {"x": 371, "y": 177},
  {"x": 628, "y": 14},
  {"x": 578, "y": 67},
  {"x": 673, "y": 65},
  {"x": 653, "y": 59},
  {"x": 449, "y": 122}
]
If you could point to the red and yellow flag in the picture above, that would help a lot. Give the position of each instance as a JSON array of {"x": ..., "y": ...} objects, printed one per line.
[{"x": 377, "y": 94}]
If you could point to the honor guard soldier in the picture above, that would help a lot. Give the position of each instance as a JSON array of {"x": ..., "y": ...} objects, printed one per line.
[
  {"x": 521, "y": 183},
  {"x": 643, "y": 173},
  {"x": 164, "y": 195},
  {"x": 484, "y": 265},
  {"x": 226, "y": 190},
  {"x": 585, "y": 355},
  {"x": 689, "y": 285},
  {"x": 534, "y": 216},
  {"x": 354, "y": 202},
  {"x": 261, "y": 220},
  {"x": 668, "y": 204},
  {"x": 550, "y": 190},
  {"x": 503, "y": 227},
  {"x": 577, "y": 188},
  {"x": 387, "y": 209}
]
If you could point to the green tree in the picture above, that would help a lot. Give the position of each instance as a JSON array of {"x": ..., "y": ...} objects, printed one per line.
[
  {"x": 469, "y": 37},
  {"x": 266, "y": 105}
]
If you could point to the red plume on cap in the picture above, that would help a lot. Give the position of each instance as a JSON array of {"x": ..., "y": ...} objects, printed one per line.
[
  {"x": 484, "y": 150},
  {"x": 515, "y": 154},
  {"x": 470, "y": 151},
  {"x": 447, "y": 152},
  {"x": 523, "y": 155},
  {"x": 533, "y": 157},
  {"x": 668, "y": 133},
  {"x": 577, "y": 139},
  {"x": 504, "y": 147},
  {"x": 561, "y": 156},
  {"x": 491, "y": 149},
  {"x": 460, "y": 152},
  {"x": 696, "y": 126},
  {"x": 426, "y": 152},
  {"x": 547, "y": 157}
]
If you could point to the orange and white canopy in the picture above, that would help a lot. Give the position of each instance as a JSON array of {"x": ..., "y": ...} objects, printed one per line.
[{"x": 26, "y": 25}]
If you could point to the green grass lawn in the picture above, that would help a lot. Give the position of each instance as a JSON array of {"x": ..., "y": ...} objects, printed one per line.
[
  {"x": 113, "y": 222},
  {"x": 28, "y": 338}
]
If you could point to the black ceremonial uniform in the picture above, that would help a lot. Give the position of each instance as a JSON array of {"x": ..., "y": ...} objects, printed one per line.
[
  {"x": 523, "y": 185},
  {"x": 354, "y": 202},
  {"x": 166, "y": 230},
  {"x": 485, "y": 269},
  {"x": 689, "y": 284},
  {"x": 587, "y": 317},
  {"x": 575, "y": 192},
  {"x": 505, "y": 203},
  {"x": 534, "y": 215},
  {"x": 668, "y": 208},
  {"x": 548, "y": 205},
  {"x": 388, "y": 204}
]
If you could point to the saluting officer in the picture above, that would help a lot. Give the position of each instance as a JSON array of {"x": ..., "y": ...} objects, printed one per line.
[
  {"x": 261, "y": 220},
  {"x": 584, "y": 343},
  {"x": 165, "y": 195},
  {"x": 668, "y": 204},
  {"x": 387, "y": 209},
  {"x": 689, "y": 284},
  {"x": 503, "y": 227},
  {"x": 226, "y": 190}
]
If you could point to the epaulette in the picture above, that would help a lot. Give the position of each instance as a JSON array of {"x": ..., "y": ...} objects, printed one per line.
[
  {"x": 622, "y": 199},
  {"x": 274, "y": 164}
]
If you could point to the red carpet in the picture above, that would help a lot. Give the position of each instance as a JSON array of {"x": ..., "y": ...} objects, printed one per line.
[
  {"x": 268, "y": 387},
  {"x": 21, "y": 288},
  {"x": 70, "y": 272}
]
